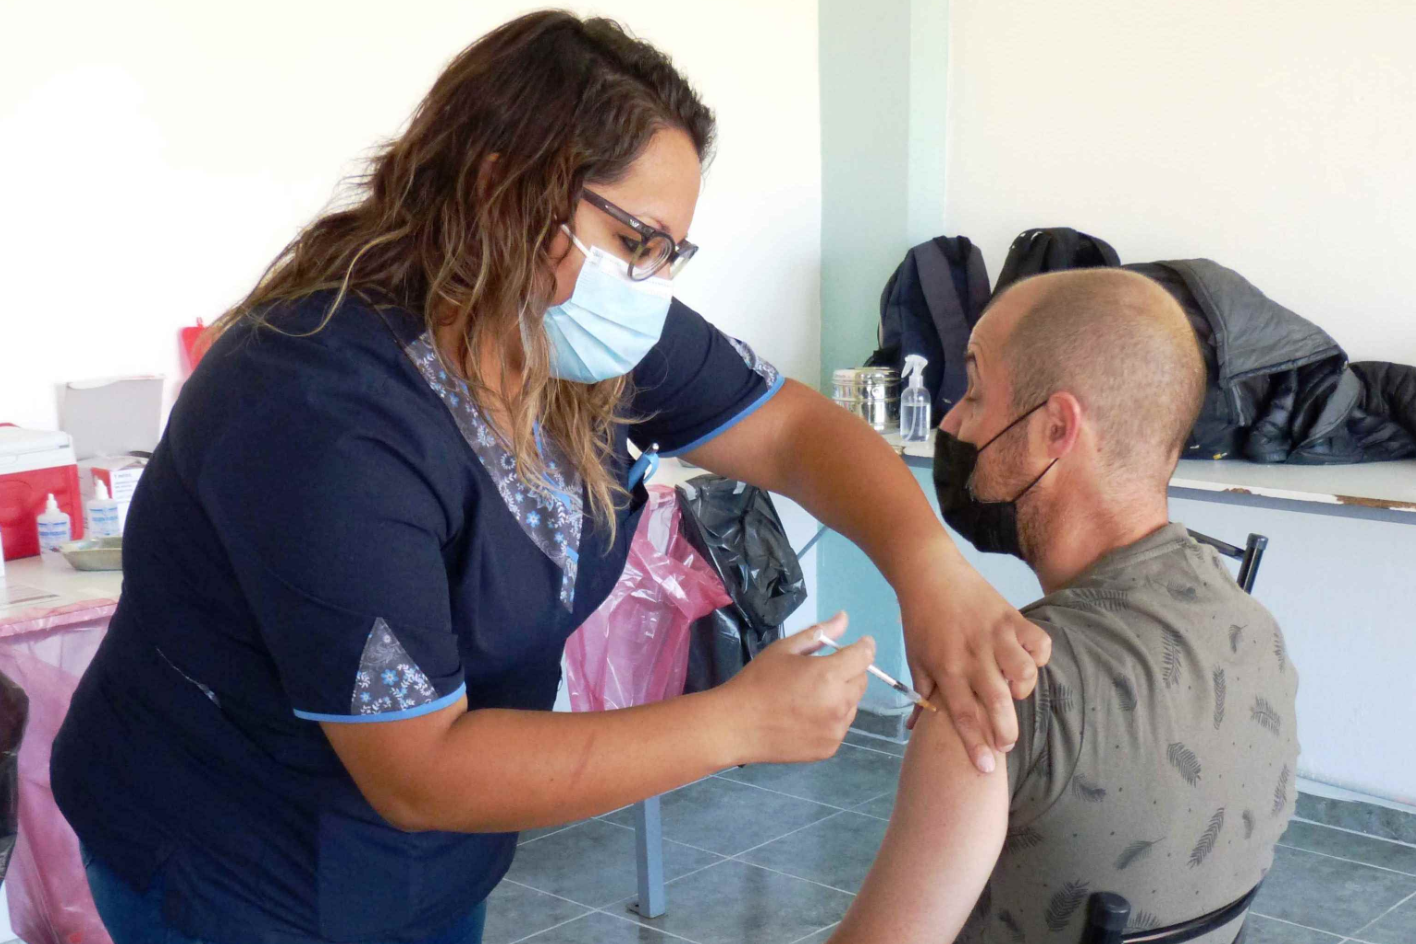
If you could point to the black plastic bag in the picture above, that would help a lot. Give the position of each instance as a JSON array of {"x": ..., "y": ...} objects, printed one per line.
[
  {"x": 735, "y": 527},
  {"x": 14, "y": 712}
]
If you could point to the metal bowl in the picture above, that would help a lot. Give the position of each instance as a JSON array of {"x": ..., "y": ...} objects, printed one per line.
[{"x": 94, "y": 554}]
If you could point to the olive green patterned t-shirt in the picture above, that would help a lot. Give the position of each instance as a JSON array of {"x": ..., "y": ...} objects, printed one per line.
[{"x": 1156, "y": 755}]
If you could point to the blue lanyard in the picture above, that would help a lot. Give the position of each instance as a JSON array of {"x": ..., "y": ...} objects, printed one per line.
[{"x": 645, "y": 466}]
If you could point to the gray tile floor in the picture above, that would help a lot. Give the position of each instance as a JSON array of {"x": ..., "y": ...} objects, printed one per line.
[{"x": 773, "y": 855}]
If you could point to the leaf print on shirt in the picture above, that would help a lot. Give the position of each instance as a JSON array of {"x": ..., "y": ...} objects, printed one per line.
[
  {"x": 1280, "y": 792},
  {"x": 1061, "y": 700},
  {"x": 1125, "y": 693},
  {"x": 1218, "y": 698},
  {"x": 1105, "y": 600},
  {"x": 1006, "y": 918},
  {"x": 1248, "y": 824},
  {"x": 1018, "y": 840},
  {"x": 1170, "y": 656},
  {"x": 1142, "y": 920},
  {"x": 1042, "y": 702},
  {"x": 1135, "y": 852},
  {"x": 1087, "y": 791},
  {"x": 1236, "y": 633},
  {"x": 1179, "y": 592},
  {"x": 1064, "y": 904},
  {"x": 1206, "y": 844},
  {"x": 1279, "y": 650},
  {"x": 1265, "y": 715},
  {"x": 1184, "y": 760}
]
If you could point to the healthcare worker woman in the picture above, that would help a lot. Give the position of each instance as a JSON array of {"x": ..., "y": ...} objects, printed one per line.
[{"x": 400, "y": 479}]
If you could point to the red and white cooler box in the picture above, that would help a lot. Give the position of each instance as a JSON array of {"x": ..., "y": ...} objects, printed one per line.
[{"x": 34, "y": 464}]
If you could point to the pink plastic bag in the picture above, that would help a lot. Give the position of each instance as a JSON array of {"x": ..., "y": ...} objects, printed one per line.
[
  {"x": 50, "y": 902},
  {"x": 633, "y": 650}
]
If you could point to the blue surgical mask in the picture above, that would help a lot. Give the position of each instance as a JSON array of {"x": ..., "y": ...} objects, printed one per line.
[{"x": 609, "y": 322}]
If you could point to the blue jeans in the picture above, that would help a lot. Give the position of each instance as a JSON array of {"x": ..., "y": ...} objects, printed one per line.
[{"x": 136, "y": 918}]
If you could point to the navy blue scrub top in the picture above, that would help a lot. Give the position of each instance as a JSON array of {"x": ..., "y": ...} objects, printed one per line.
[{"x": 329, "y": 531}]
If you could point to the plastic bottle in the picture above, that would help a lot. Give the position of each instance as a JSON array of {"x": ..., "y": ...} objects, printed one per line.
[
  {"x": 54, "y": 529},
  {"x": 914, "y": 402},
  {"x": 101, "y": 513}
]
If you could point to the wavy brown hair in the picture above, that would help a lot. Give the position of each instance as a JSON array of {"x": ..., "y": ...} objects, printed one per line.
[{"x": 455, "y": 219}]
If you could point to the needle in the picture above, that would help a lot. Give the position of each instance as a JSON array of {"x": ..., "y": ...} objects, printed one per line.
[{"x": 874, "y": 670}]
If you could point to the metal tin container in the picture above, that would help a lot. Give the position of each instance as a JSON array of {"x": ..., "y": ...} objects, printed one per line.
[{"x": 872, "y": 393}]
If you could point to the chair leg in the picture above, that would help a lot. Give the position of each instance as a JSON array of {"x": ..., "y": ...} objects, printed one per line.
[{"x": 649, "y": 860}]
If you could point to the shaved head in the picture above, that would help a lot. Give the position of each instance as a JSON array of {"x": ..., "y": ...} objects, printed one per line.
[{"x": 1121, "y": 345}]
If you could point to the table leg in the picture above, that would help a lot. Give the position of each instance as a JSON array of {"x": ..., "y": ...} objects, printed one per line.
[{"x": 649, "y": 859}]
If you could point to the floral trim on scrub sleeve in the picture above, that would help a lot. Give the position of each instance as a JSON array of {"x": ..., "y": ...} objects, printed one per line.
[
  {"x": 388, "y": 679},
  {"x": 754, "y": 362},
  {"x": 551, "y": 519}
]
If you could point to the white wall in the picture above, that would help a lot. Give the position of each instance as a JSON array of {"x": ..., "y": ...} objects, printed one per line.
[
  {"x": 158, "y": 154},
  {"x": 1275, "y": 136}
]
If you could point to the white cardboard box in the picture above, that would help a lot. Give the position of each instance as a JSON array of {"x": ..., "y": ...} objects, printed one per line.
[{"x": 112, "y": 417}]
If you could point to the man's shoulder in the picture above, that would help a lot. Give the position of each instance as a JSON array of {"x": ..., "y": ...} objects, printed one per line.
[
  {"x": 1166, "y": 578},
  {"x": 1150, "y": 617}
]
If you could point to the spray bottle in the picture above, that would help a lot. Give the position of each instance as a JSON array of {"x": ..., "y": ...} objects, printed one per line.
[
  {"x": 54, "y": 529},
  {"x": 914, "y": 402}
]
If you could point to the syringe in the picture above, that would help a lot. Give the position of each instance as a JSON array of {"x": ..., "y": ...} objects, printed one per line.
[{"x": 874, "y": 670}]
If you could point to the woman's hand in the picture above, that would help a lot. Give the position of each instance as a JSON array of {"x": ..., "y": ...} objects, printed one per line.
[
  {"x": 789, "y": 706},
  {"x": 964, "y": 641}
]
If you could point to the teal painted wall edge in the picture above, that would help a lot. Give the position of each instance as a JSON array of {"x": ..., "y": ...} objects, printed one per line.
[
  {"x": 865, "y": 118},
  {"x": 883, "y": 69}
]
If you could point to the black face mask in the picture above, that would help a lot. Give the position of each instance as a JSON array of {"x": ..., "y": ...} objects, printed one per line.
[{"x": 990, "y": 526}]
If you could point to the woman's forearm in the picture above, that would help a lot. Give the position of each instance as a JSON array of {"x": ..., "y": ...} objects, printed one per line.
[
  {"x": 855, "y": 483},
  {"x": 498, "y": 770},
  {"x": 495, "y": 770},
  {"x": 846, "y": 475}
]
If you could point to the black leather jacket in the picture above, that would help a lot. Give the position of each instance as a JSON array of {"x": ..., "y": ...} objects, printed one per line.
[{"x": 1280, "y": 388}]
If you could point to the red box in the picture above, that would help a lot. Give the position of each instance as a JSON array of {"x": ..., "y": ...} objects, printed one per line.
[{"x": 33, "y": 465}]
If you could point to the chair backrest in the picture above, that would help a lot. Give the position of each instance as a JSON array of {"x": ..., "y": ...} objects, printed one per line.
[
  {"x": 1107, "y": 914},
  {"x": 1248, "y": 556}
]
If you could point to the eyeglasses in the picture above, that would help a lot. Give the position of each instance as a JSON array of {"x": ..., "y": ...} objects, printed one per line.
[{"x": 654, "y": 247}]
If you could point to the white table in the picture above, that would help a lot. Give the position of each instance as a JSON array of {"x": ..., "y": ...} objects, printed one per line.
[
  {"x": 52, "y": 619},
  {"x": 58, "y": 578},
  {"x": 1380, "y": 490}
]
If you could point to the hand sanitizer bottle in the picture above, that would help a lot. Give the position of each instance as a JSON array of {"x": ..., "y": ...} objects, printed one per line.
[
  {"x": 914, "y": 402},
  {"x": 54, "y": 529}
]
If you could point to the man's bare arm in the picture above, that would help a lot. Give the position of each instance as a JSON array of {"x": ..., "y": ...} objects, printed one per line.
[{"x": 943, "y": 840}]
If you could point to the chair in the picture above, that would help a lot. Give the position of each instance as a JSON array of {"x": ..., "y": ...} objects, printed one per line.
[
  {"x": 1248, "y": 556},
  {"x": 1108, "y": 913}
]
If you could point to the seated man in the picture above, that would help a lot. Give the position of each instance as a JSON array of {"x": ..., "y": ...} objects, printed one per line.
[{"x": 1156, "y": 756}]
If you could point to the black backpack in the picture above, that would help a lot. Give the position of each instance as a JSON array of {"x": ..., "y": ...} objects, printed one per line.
[
  {"x": 1053, "y": 249},
  {"x": 929, "y": 307}
]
